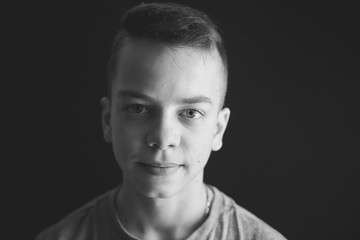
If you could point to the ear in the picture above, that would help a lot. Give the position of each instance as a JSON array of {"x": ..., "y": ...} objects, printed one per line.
[
  {"x": 105, "y": 118},
  {"x": 222, "y": 121}
]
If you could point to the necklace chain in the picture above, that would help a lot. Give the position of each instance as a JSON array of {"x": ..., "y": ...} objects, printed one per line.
[{"x": 208, "y": 202}]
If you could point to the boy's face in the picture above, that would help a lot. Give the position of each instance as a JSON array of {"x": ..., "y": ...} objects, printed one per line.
[{"x": 164, "y": 118}]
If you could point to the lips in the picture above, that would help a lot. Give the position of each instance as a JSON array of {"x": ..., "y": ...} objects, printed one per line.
[
  {"x": 160, "y": 164},
  {"x": 159, "y": 168}
]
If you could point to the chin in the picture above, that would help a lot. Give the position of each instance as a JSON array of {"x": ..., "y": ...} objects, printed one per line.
[{"x": 158, "y": 190}]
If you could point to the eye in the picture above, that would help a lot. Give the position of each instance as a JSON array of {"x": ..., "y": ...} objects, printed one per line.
[
  {"x": 137, "y": 109},
  {"x": 192, "y": 114}
]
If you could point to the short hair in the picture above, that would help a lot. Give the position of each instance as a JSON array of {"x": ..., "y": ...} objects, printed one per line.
[{"x": 171, "y": 24}]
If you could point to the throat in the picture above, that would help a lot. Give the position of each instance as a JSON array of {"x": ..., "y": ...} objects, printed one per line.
[{"x": 173, "y": 218}]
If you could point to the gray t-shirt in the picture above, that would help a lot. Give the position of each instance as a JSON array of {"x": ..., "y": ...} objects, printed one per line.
[{"x": 98, "y": 220}]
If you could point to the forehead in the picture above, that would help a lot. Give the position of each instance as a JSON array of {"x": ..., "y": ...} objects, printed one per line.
[{"x": 149, "y": 67}]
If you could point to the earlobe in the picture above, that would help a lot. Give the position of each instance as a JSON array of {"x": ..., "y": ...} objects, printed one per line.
[
  {"x": 105, "y": 118},
  {"x": 222, "y": 121}
]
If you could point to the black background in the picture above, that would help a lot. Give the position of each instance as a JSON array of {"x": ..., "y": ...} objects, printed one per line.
[{"x": 291, "y": 150}]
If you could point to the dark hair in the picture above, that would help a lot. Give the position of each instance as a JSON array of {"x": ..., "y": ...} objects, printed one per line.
[{"x": 171, "y": 24}]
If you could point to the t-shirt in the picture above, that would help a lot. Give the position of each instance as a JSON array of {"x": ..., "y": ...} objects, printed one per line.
[{"x": 98, "y": 220}]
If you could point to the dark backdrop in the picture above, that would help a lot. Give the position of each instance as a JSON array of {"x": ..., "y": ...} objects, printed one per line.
[{"x": 290, "y": 153}]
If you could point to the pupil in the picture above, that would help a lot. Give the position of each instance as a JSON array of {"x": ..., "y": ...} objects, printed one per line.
[
  {"x": 137, "y": 108},
  {"x": 191, "y": 113}
]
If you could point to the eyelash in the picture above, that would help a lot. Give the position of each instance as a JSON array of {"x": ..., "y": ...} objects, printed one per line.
[{"x": 131, "y": 108}]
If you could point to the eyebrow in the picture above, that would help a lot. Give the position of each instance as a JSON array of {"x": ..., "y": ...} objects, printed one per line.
[
  {"x": 191, "y": 100},
  {"x": 135, "y": 94},
  {"x": 196, "y": 99}
]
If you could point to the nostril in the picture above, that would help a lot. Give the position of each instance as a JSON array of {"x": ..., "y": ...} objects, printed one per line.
[
  {"x": 162, "y": 146},
  {"x": 154, "y": 145}
]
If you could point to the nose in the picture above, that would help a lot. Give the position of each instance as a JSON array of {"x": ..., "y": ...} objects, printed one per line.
[{"x": 163, "y": 133}]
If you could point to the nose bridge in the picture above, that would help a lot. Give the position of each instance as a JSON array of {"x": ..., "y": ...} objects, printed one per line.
[{"x": 164, "y": 132}]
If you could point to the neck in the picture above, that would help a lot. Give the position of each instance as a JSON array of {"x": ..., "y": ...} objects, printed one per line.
[{"x": 175, "y": 217}]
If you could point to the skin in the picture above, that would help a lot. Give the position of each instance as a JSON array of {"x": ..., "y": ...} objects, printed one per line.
[{"x": 163, "y": 119}]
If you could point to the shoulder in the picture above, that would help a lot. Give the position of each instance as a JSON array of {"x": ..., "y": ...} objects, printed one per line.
[
  {"x": 82, "y": 223},
  {"x": 238, "y": 223}
]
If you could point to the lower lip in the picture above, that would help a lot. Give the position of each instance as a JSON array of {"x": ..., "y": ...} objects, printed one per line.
[{"x": 152, "y": 170}]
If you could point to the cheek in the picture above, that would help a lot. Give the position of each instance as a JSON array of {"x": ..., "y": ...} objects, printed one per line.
[
  {"x": 124, "y": 132},
  {"x": 126, "y": 142},
  {"x": 198, "y": 147}
]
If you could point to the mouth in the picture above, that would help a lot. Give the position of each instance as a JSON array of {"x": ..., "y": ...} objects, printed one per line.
[{"x": 156, "y": 168}]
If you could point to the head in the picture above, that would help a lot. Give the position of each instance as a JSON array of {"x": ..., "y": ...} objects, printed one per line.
[
  {"x": 167, "y": 81},
  {"x": 172, "y": 25}
]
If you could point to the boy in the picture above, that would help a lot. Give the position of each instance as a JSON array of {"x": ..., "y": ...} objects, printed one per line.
[{"x": 164, "y": 115}]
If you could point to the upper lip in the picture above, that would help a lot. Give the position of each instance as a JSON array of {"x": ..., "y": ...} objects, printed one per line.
[{"x": 160, "y": 164}]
